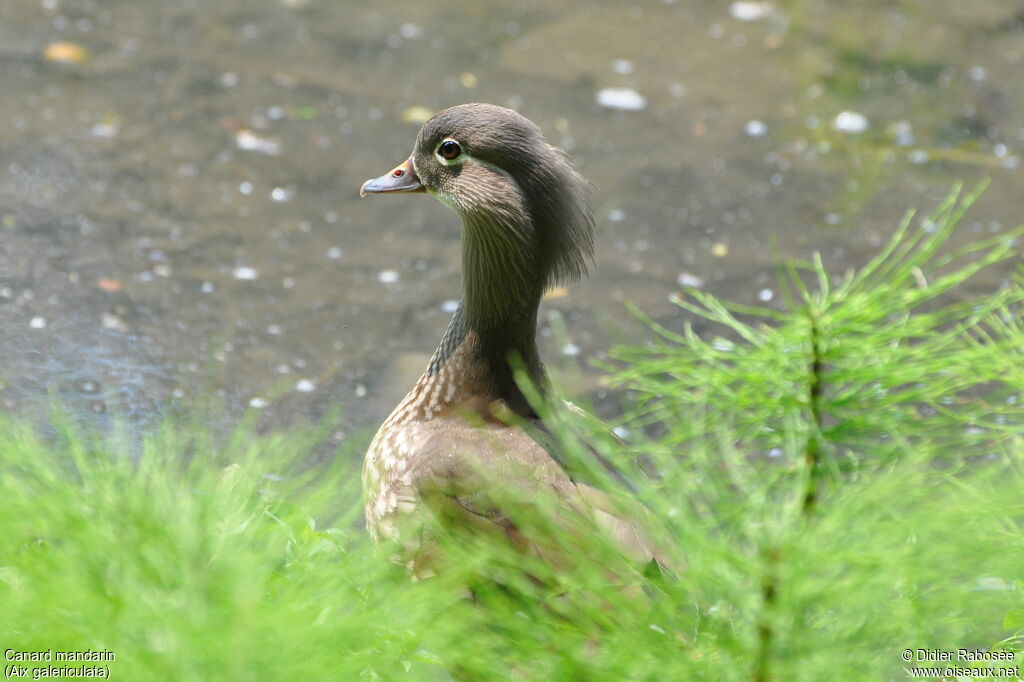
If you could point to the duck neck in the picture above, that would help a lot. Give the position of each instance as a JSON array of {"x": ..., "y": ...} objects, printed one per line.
[{"x": 496, "y": 322}]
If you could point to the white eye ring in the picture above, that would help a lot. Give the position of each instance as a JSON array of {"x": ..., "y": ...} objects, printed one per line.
[{"x": 449, "y": 151}]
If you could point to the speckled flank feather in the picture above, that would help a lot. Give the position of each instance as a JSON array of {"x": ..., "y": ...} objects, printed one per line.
[{"x": 447, "y": 384}]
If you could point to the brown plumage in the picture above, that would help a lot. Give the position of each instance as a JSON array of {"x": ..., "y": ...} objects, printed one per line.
[{"x": 453, "y": 451}]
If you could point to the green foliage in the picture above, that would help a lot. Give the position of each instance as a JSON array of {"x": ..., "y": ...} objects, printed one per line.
[{"x": 842, "y": 481}]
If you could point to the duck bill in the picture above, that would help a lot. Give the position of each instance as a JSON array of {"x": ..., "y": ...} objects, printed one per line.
[{"x": 402, "y": 178}]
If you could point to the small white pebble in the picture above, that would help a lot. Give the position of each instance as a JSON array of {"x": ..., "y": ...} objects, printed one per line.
[
  {"x": 334, "y": 253},
  {"x": 978, "y": 73},
  {"x": 616, "y": 215},
  {"x": 113, "y": 322},
  {"x": 258, "y": 402},
  {"x": 305, "y": 386},
  {"x": 622, "y": 66},
  {"x": 280, "y": 194},
  {"x": 104, "y": 129},
  {"x": 245, "y": 272},
  {"x": 274, "y": 329},
  {"x": 850, "y": 122},
  {"x": 245, "y": 188},
  {"x": 37, "y": 322},
  {"x": 765, "y": 295},
  {"x": 207, "y": 287},
  {"x": 903, "y": 133},
  {"x": 756, "y": 128},
  {"x": 388, "y": 276},
  {"x": 688, "y": 279},
  {"x": 247, "y": 140},
  {"x": 360, "y": 390},
  {"x": 918, "y": 156},
  {"x": 449, "y": 306},
  {"x": 410, "y": 31},
  {"x": 621, "y": 99},
  {"x": 571, "y": 350},
  {"x": 750, "y": 11},
  {"x": 621, "y": 431}
]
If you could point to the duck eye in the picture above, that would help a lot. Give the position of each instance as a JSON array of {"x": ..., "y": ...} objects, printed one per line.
[{"x": 449, "y": 149}]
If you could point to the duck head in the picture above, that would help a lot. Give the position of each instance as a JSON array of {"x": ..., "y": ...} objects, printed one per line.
[{"x": 527, "y": 222}]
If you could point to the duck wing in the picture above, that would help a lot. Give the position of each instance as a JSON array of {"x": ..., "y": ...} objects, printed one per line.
[{"x": 496, "y": 480}]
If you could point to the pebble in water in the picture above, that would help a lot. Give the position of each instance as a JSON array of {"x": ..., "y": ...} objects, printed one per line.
[
  {"x": 688, "y": 279},
  {"x": 622, "y": 66},
  {"x": 113, "y": 322},
  {"x": 281, "y": 194},
  {"x": 249, "y": 141},
  {"x": 244, "y": 272},
  {"x": 88, "y": 386},
  {"x": 850, "y": 122},
  {"x": 305, "y": 386},
  {"x": 410, "y": 31},
  {"x": 37, "y": 322},
  {"x": 621, "y": 99},
  {"x": 756, "y": 128},
  {"x": 903, "y": 133},
  {"x": 388, "y": 276},
  {"x": 750, "y": 11},
  {"x": 918, "y": 156},
  {"x": 416, "y": 114}
]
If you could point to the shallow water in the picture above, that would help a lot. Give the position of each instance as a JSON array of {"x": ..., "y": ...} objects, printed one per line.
[{"x": 179, "y": 210}]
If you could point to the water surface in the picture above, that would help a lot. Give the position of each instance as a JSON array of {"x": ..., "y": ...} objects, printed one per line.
[{"x": 179, "y": 210}]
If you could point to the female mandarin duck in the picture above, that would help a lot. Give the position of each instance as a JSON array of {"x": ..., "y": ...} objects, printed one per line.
[{"x": 454, "y": 450}]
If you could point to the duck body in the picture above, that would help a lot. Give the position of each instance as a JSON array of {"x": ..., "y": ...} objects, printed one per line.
[{"x": 455, "y": 451}]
